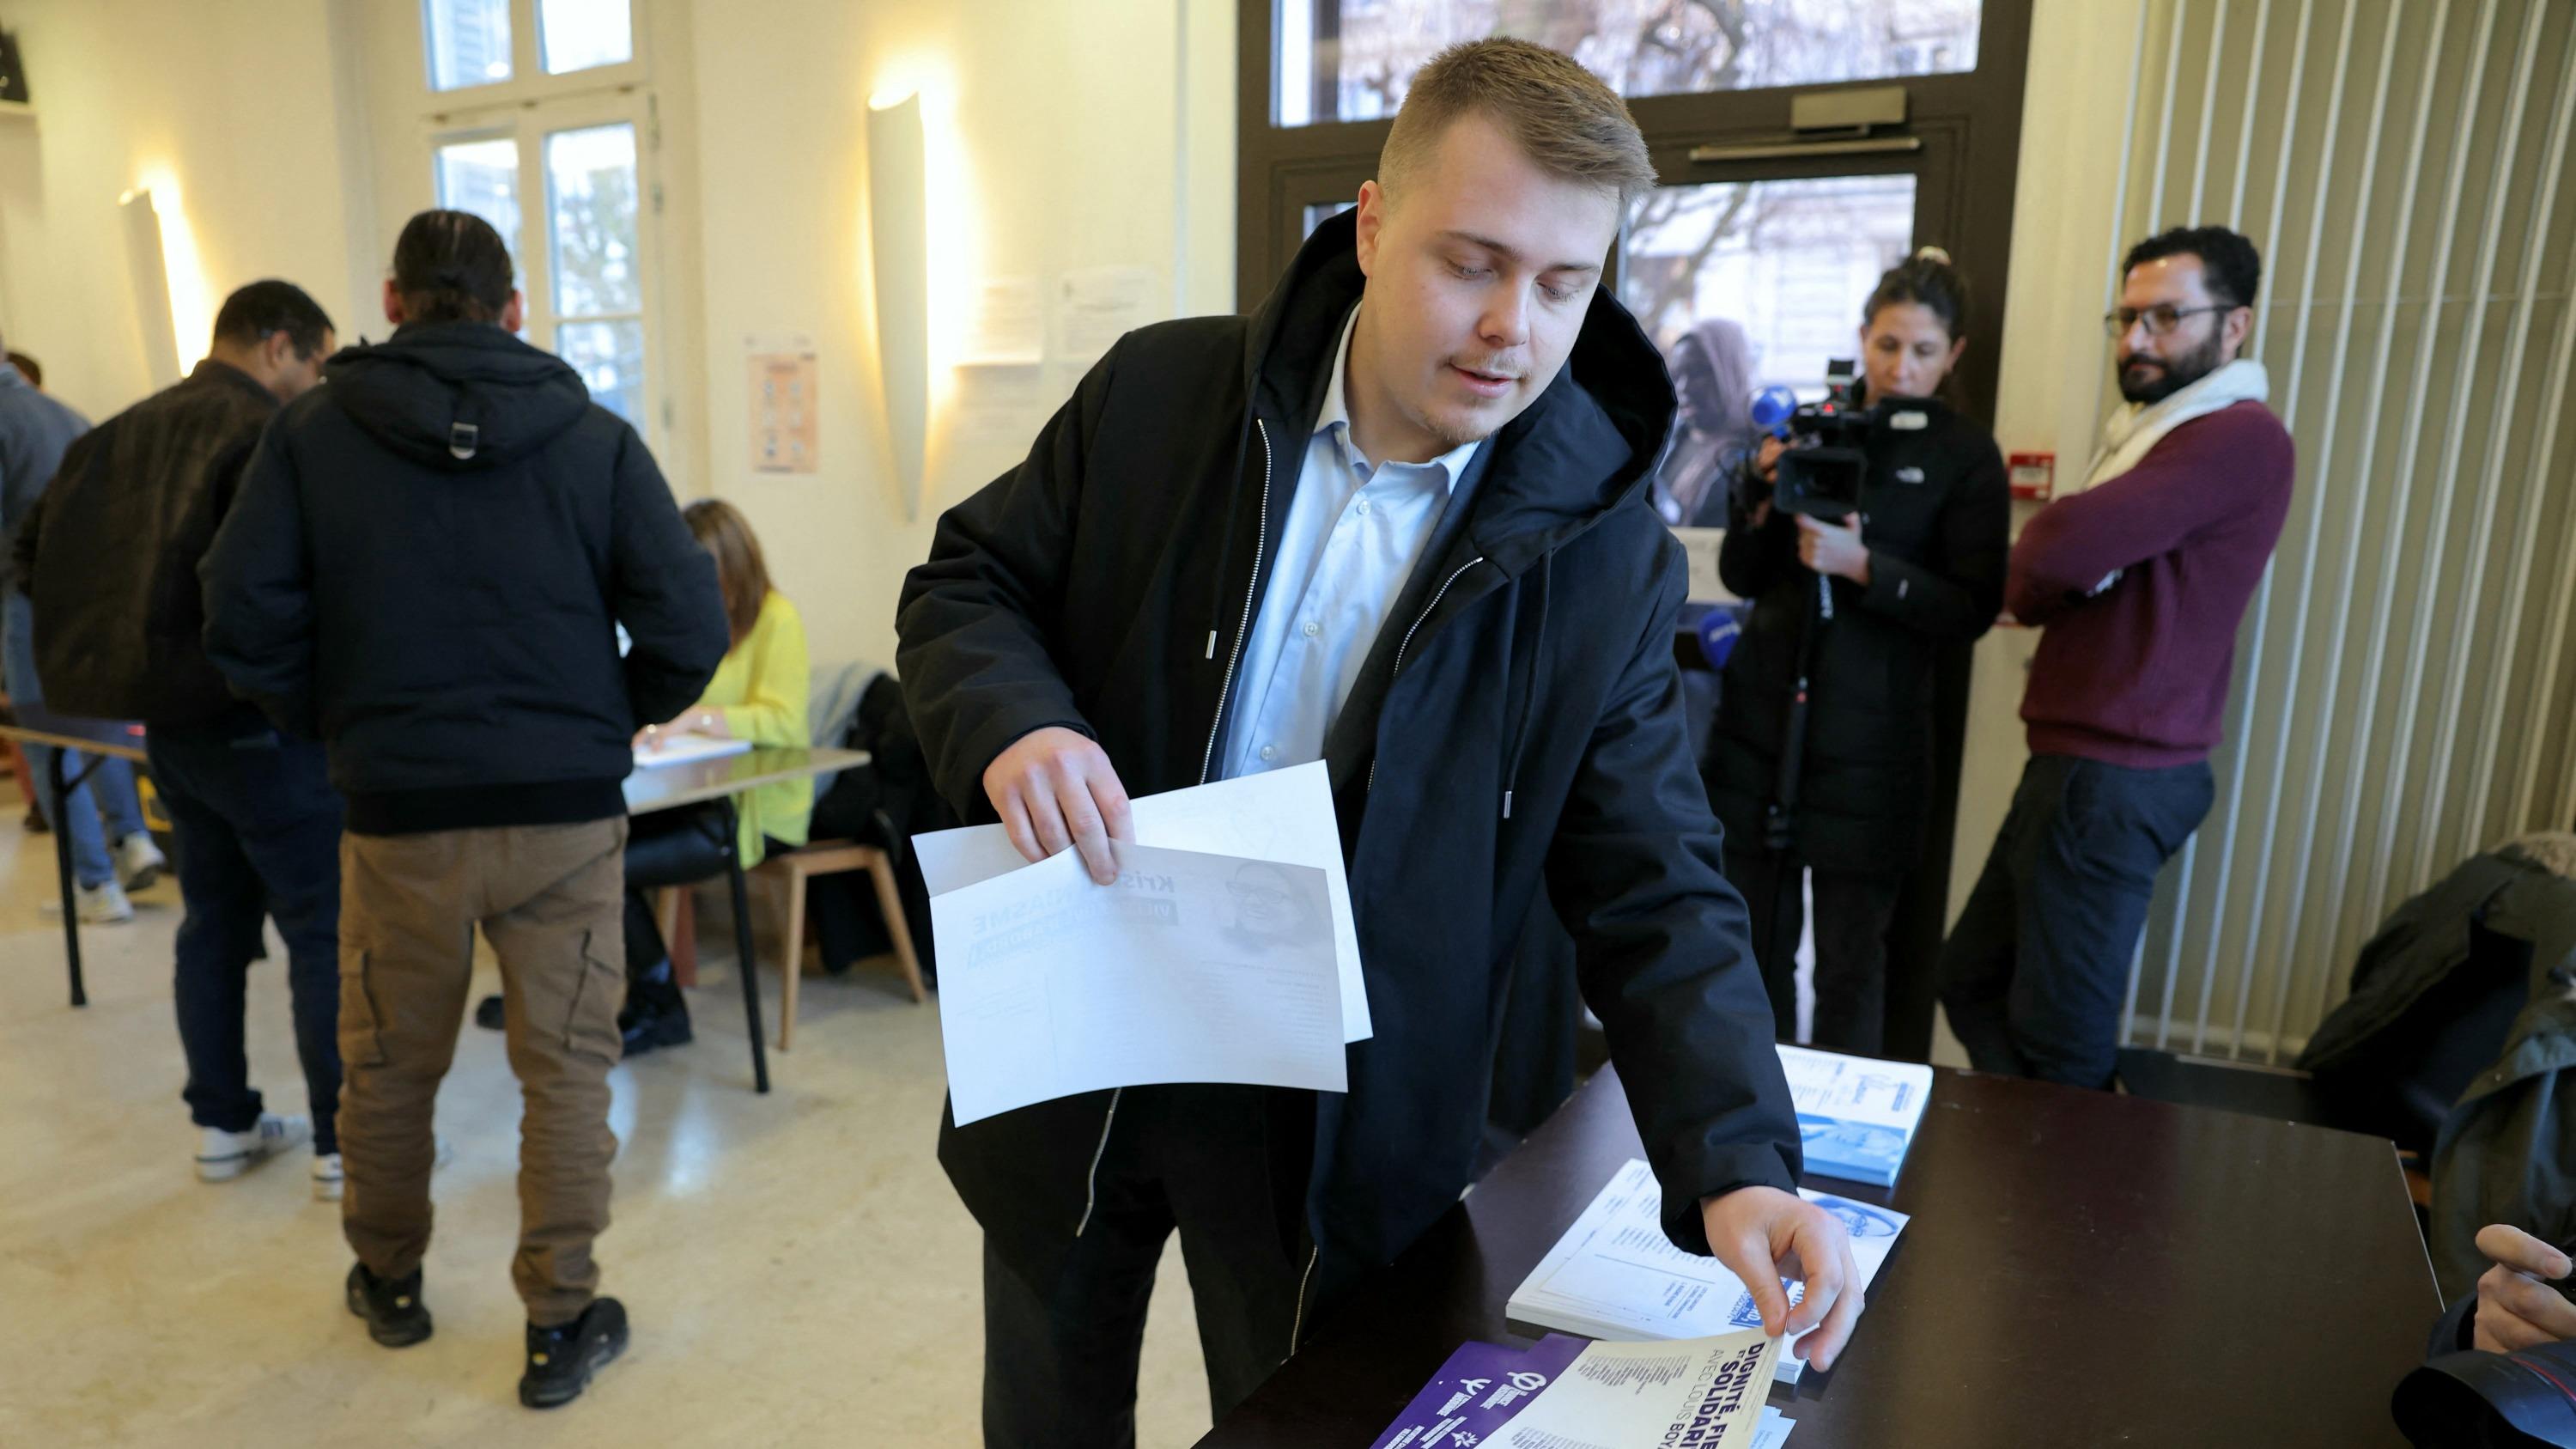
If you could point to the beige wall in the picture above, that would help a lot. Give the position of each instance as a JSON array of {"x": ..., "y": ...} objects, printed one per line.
[
  {"x": 1056, "y": 139},
  {"x": 227, "y": 108},
  {"x": 2056, "y": 370}
]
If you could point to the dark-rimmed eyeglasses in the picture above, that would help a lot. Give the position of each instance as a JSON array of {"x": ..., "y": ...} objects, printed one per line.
[{"x": 2161, "y": 319}]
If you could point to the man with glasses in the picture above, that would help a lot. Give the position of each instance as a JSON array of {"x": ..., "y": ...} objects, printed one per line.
[{"x": 2141, "y": 580}]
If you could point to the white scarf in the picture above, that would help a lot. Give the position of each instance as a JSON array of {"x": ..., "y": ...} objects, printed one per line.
[{"x": 2135, "y": 428}]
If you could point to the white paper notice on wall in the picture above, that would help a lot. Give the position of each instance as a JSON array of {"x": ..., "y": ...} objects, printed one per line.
[
  {"x": 1700, "y": 546},
  {"x": 1000, "y": 405},
  {"x": 1095, "y": 306},
  {"x": 784, "y": 402},
  {"x": 1008, "y": 325}
]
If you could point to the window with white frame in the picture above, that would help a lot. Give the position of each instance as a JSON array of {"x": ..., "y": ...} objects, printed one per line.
[{"x": 540, "y": 120}]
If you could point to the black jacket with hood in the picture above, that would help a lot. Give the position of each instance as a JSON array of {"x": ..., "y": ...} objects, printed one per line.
[
  {"x": 1937, "y": 513},
  {"x": 1517, "y": 726},
  {"x": 426, "y": 569},
  {"x": 109, "y": 554}
]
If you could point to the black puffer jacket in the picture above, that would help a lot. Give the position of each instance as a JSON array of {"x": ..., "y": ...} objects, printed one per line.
[
  {"x": 110, "y": 552},
  {"x": 1936, "y": 515},
  {"x": 426, "y": 568},
  {"x": 1516, "y": 727}
]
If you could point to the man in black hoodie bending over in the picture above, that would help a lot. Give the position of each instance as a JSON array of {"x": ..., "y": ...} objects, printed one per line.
[
  {"x": 425, "y": 570},
  {"x": 1395, "y": 522}
]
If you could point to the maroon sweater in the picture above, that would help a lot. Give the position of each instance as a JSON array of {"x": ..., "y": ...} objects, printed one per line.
[{"x": 2137, "y": 674}]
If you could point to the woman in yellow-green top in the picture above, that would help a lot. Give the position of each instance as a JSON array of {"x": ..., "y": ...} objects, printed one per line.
[
  {"x": 759, "y": 695},
  {"x": 759, "y": 692}
]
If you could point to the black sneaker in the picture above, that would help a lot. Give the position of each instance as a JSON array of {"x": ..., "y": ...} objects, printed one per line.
[
  {"x": 562, "y": 1359},
  {"x": 395, "y": 1315}
]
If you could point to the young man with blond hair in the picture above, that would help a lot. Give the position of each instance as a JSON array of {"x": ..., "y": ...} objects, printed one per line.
[{"x": 1395, "y": 522}]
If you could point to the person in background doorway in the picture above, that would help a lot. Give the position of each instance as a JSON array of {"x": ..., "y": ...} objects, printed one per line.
[
  {"x": 1712, "y": 367},
  {"x": 112, "y": 853},
  {"x": 110, "y": 556},
  {"x": 426, "y": 569},
  {"x": 1919, "y": 565},
  {"x": 2140, "y": 581},
  {"x": 28, "y": 368},
  {"x": 758, "y": 694}
]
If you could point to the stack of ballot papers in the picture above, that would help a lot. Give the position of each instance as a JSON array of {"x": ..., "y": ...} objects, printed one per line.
[
  {"x": 1614, "y": 1275},
  {"x": 1856, "y": 1114},
  {"x": 687, "y": 749},
  {"x": 1563, "y": 1393},
  {"x": 1225, "y": 952}
]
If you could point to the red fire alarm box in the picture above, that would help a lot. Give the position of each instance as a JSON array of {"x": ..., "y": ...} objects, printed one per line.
[{"x": 2034, "y": 475}]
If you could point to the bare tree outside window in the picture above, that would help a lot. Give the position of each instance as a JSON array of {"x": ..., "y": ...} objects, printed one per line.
[{"x": 1359, "y": 56}]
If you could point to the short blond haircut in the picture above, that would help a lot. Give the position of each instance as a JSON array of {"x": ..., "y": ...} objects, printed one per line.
[{"x": 1565, "y": 119}]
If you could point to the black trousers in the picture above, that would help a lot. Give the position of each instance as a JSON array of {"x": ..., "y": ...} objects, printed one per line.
[
  {"x": 258, "y": 831},
  {"x": 2035, "y": 971},
  {"x": 1852, "y": 912},
  {"x": 1060, "y": 1366}
]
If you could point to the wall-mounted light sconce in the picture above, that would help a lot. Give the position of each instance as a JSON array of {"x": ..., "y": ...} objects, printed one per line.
[
  {"x": 899, "y": 253},
  {"x": 149, "y": 275}
]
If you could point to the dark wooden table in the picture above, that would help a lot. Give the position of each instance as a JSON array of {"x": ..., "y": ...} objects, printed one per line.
[{"x": 2081, "y": 1269}]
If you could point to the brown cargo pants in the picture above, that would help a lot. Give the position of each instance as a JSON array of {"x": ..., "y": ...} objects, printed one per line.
[{"x": 551, "y": 900}]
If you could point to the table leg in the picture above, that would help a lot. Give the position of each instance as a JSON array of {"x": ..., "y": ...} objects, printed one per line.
[
  {"x": 745, "y": 962},
  {"x": 63, "y": 871}
]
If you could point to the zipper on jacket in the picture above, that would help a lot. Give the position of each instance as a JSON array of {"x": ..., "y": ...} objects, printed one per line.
[
  {"x": 1091, "y": 1179},
  {"x": 1419, "y": 620},
  {"x": 1297, "y": 1326},
  {"x": 1207, "y": 761},
  {"x": 1251, "y": 588}
]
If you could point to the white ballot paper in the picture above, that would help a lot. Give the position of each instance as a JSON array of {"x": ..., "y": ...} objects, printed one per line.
[
  {"x": 1692, "y": 1393},
  {"x": 1281, "y": 815},
  {"x": 678, "y": 749},
  {"x": 1192, "y": 968}
]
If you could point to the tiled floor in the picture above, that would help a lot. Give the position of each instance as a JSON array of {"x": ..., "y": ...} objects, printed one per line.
[{"x": 797, "y": 1268}]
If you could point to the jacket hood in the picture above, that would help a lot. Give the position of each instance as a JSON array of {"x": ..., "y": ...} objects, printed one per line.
[
  {"x": 459, "y": 396},
  {"x": 1585, "y": 445}
]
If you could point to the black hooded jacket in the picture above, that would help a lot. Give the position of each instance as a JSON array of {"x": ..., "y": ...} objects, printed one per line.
[
  {"x": 1517, "y": 726},
  {"x": 1937, "y": 511},
  {"x": 426, "y": 569}
]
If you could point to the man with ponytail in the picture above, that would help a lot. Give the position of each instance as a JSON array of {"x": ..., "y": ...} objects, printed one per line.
[{"x": 426, "y": 570}]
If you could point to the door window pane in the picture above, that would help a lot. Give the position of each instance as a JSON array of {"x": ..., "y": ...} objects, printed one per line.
[
  {"x": 590, "y": 186},
  {"x": 483, "y": 177},
  {"x": 579, "y": 34},
  {"x": 468, "y": 42},
  {"x": 1351, "y": 60},
  {"x": 1319, "y": 212},
  {"x": 610, "y": 358},
  {"x": 1745, "y": 284}
]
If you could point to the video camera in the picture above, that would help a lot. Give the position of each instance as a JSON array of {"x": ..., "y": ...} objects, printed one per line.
[{"x": 1820, "y": 474}]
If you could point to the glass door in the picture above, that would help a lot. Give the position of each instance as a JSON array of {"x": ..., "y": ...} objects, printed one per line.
[
  {"x": 568, "y": 192},
  {"x": 1746, "y": 284}
]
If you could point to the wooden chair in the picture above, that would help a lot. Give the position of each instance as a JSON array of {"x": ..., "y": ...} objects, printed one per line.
[{"x": 791, "y": 870}]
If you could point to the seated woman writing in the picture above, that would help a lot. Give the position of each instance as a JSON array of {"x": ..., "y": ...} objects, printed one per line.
[{"x": 759, "y": 695}]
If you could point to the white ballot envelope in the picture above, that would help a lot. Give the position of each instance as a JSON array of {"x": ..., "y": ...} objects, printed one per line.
[
  {"x": 1282, "y": 815},
  {"x": 1191, "y": 968}
]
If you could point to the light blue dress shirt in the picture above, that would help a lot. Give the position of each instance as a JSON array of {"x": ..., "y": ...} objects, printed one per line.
[{"x": 1355, "y": 530}]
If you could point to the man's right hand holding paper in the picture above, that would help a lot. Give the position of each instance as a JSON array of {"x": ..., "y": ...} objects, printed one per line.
[{"x": 1055, "y": 787}]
